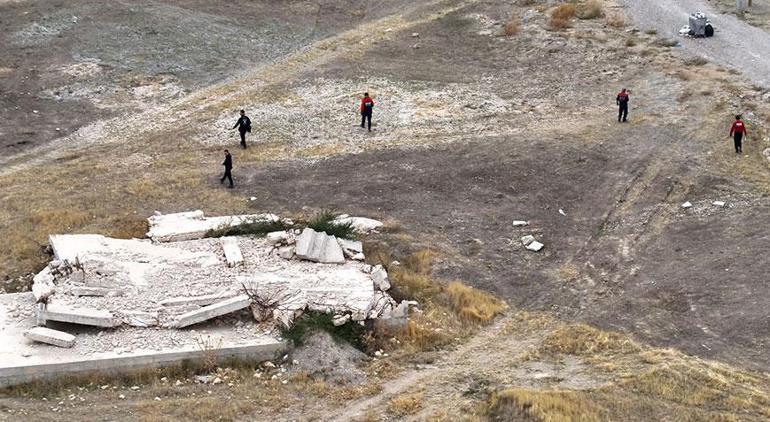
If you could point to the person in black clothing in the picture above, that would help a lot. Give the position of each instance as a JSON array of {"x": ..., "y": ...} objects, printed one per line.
[
  {"x": 244, "y": 125},
  {"x": 228, "y": 163},
  {"x": 622, "y": 101},
  {"x": 367, "y": 105}
]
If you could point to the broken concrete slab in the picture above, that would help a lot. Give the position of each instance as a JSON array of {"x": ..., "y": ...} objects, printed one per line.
[
  {"x": 319, "y": 247},
  {"x": 520, "y": 223},
  {"x": 43, "y": 285},
  {"x": 535, "y": 246},
  {"x": 82, "y": 316},
  {"x": 352, "y": 249},
  {"x": 718, "y": 203},
  {"x": 197, "y": 300},
  {"x": 281, "y": 238},
  {"x": 359, "y": 224},
  {"x": 233, "y": 254},
  {"x": 214, "y": 310},
  {"x": 49, "y": 336},
  {"x": 526, "y": 240},
  {"x": 194, "y": 225}
]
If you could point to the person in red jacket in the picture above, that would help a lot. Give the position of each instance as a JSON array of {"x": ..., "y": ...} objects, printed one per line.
[
  {"x": 737, "y": 131},
  {"x": 367, "y": 105},
  {"x": 622, "y": 102}
]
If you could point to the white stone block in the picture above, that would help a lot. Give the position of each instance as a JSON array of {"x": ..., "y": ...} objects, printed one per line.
[
  {"x": 718, "y": 203},
  {"x": 520, "y": 223},
  {"x": 687, "y": 204},
  {"x": 233, "y": 253},
  {"x": 535, "y": 246},
  {"x": 526, "y": 240},
  {"x": 82, "y": 316},
  {"x": 319, "y": 247},
  {"x": 214, "y": 310}
]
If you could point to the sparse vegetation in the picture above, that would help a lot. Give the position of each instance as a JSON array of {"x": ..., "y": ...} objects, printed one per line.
[
  {"x": 405, "y": 404},
  {"x": 561, "y": 16},
  {"x": 324, "y": 222},
  {"x": 308, "y": 323},
  {"x": 511, "y": 27},
  {"x": 473, "y": 305},
  {"x": 615, "y": 20},
  {"x": 256, "y": 228},
  {"x": 592, "y": 9}
]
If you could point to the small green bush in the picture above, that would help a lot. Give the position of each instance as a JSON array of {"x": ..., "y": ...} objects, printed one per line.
[{"x": 324, "y": 222}]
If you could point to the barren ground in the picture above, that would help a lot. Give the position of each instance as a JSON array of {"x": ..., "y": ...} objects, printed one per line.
[{"x": 472, "y": 131}]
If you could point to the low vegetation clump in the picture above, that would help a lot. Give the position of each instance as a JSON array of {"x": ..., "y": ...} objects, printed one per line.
[
  {"x": 592, "y": 9},
  {"x": 521, "y": 403},
  {"x": 405, "y": 404},
  {"x": 511, "y": 27},
  {"x": 309, "y": 323},
  {"x": 255, "y": 228},
  {"x": 561, "y": 16},
  {"x": 583, "y": 340},
  {"x": 474, "y": 305},
  {"x": 324, "y": 222},
  {"x": 615, "y": 20}
]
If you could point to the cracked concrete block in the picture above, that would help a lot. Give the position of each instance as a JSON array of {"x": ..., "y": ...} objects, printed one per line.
[
  {"x": 96, "y": 291},
  {"x": 43, "y": 285},
  {"x": 233, "y": 253},
  {"x": 287, "y": 252},
  {"x": 196, "y": 300},
  {"x": 319, "y": 247},
  {"x": 280, "y": 237},
  {"x": 526, "y": 240},
  {"x": 520, "y": 223},
  {"x": 214, "y": 310},
  {"x": 140, "y": 319},
  {"x": 190, "y": 226},
  {"x": 82, "y": 316},
  {"x": 49, "y": 336},
  {"x": 535, "y": 246},
  {"x": 718, "y": 203}
]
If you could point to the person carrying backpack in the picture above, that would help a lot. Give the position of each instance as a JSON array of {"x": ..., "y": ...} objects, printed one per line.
[
  {"x": 737, "y": 131},
  {"x": 367, "y": 105},
  {"x": 622, "y": 102},
  {"x": 244, "y": 125}
]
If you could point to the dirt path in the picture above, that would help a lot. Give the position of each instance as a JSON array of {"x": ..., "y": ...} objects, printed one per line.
[{"x": 736, "y": 44}]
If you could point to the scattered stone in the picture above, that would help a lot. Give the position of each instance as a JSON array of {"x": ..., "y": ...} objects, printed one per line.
[
  {"x": 212, "y": 311},
  {"x": 286, "y": 252},
  {"x": 718, "y": 203},
  {"x": 338, "y": 320},
  {"x": 319, "y": 247},
  {"x": 43, "y": 285},
  {"x": 526, "y": 240},
  {"x": 351, "y": 248},
  {"x": 415, "y": 34},
  {"x": 687, "y": 204},
  {"x": 561, "y": 211},
  {"x": 177, "y": 383},
  {"x": 535, "y": 246},
  {"x": 520, "y": 223},
  {"x": 232, "y": 251},
  {"x": 140, "y": 319},
  {"x": 766, "y": 153},
  {"x": 281, "y": 238},
  {"x": 204, "y": 379},
  {"x": 49, "y": 336}
]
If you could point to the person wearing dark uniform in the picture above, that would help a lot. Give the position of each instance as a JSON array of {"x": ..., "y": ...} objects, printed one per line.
[
  {"x": 228, "y": 163},
  {"x": 367, "y": 105},
  {"x": 244, "y": 125},
  {"x": 622, "y": 101},
  {"x": 738, "y": 131}
]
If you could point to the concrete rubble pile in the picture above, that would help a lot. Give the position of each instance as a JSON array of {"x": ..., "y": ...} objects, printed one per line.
[{"x": 180, "y": 277}]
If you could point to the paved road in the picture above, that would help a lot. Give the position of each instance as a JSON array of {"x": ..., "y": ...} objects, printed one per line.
[{"x": 735, "y": 44}]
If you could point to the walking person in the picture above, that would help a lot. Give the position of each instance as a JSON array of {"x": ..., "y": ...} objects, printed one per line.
[
  {"x": 367, "y": 105},
  {"x": 622, "y": 102},
  {"x": 244, "y": 125},
  {"x": 228, "y": 163},
  {"x": 738, "y": 131}
]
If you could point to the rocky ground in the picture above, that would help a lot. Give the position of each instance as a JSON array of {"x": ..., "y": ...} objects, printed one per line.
[{"x": 473, "y": 130}]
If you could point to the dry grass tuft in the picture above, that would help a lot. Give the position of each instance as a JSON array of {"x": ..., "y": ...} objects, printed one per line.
[
  {"x": 615, "y": 20},
  {"x": 473, "y": 305},
  {"x": 405, "y": 404},
  {"x": 561, "y": 16},
  {"x": 511, "y": 27},
  {"x": 583, "y": 340},
  {"x": 591, "y": 9},
  {"x": 556, "y": 406}
]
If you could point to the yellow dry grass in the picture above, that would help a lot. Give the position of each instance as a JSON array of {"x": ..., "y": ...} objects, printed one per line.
[
  {"x": 511, "y": 27},
  {"x": 405, "y": 404},
  {"x": 584, "y": 340},
  {"x": 473, "y": 305}
]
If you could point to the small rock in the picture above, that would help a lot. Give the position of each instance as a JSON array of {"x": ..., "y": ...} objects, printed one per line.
[
  {"x": 526, "y": 240},
  {"x": 687, "y": 204},
  {"x": 216, "y": 381},
  {"x": 338, "y": 320},
  {"x": 718, "y": 203},
  {"x": 268, "y": 364},
  {"x": 177, "y": 383},
  {"x": 561, "y": 211},
  {"x": 535, "y": 246},
  {"x": 121, "y": 397},
  {"x": 415, "y": 34},
  {"x": 253, "y": 198},
  {"x": 520, "y": 223}
]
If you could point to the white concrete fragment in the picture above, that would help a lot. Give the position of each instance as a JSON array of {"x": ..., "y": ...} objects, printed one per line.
[
  {"x": 282, "y": 237},
  {"x": 687, "y": 204},
  {"x": 43, "y": 285},
  {"x": 193, "y": 225},
  {"x": 286, "y": 252},
  {"x": 526, "y": 240},
  {"x": 49, "y": 336},
  {"x": 214, "y": 310},
  {"x": 82, "y": 316},
  {"x": 319, "y": 247},
  {"x": 520, "y": 223},
  {"x": 358, "y": 257},
  {"x": 380, "y": 278},
  {"x": 360, "y": 224},
  {"x": 232, "y": 251},
  {"x": 338, "y": 320},
  {"x": 718, "y": 203},
  {"x": 535, "y": 246},
  {"x": 561, "y": 211}
]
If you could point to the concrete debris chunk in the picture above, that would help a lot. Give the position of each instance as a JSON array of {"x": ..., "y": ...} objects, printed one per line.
[
  {"x": 49, "y": 336},
  {"x": 319, "y": 247},
  {"x": 43, "y": 285},
  {"x": 380, "y": 278},
  {"x": 281, "y": 238},
  {"x": 197, "y": 300},
  {"x": 82, "y": 316},
  {"x": 286, "y": 252},
  {"x": 687, "y": 204},
  {"x": 338, "y": 320},
  {"x": 526, "y": 240},
  {"x": 535, "y": 246},
  {"x": 194, "y": 225},
  {"x": 520, "y": 223},
  {"x": 140, "y": 319},
  {"x": 718, "y": 203},
  {"x": 214, "y": 310},
  {"x": 351, "y": 248},
  {"x": 359, "y": 224},
  {"x": 233, "y": 254}
]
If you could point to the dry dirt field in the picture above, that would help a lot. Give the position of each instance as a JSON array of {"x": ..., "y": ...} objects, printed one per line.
[{"x": 487, "y": 112}]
